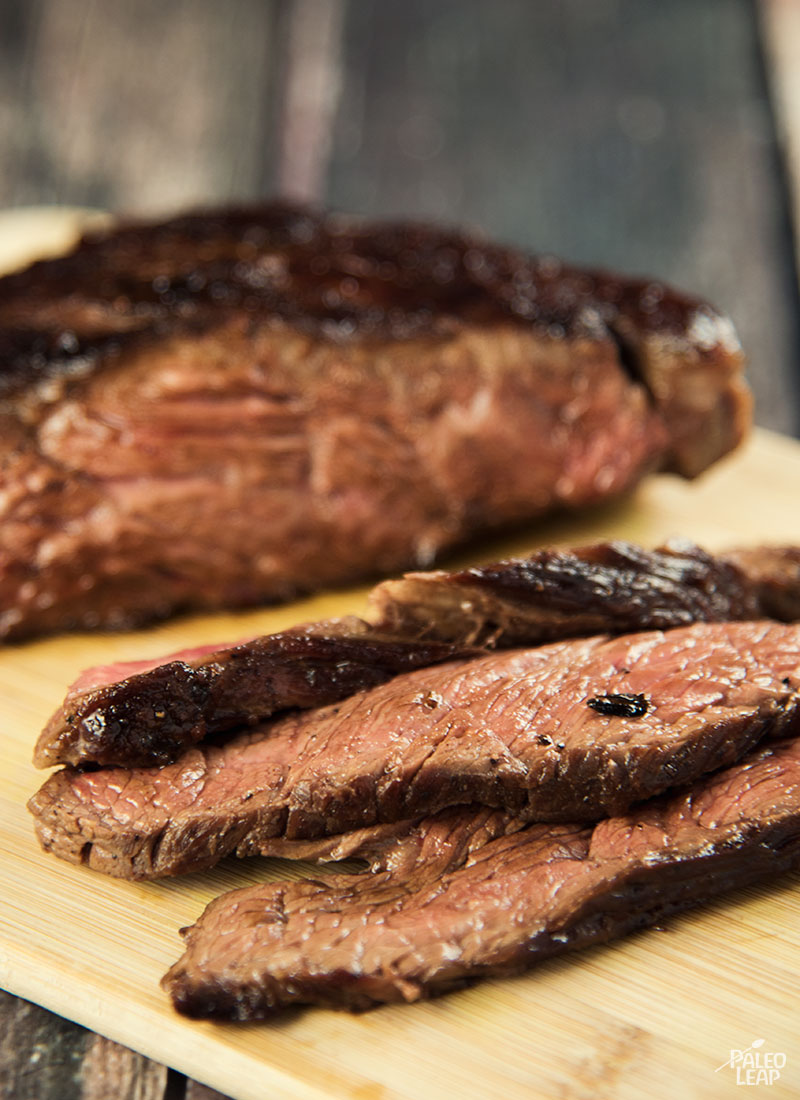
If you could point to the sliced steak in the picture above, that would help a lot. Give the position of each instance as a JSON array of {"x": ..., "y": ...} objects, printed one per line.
[
  {"x": 147, "y": 713},
  {"x": 355, "y": 941},
  {"x": 427, "y": 845},
  {"x": 610, "y": 587},
  {"x": 773, "y": 572},
  {"x": 234, "y": 407},
  {"x": 570, "y": 731},
  {"x": 154, "y": 714}
]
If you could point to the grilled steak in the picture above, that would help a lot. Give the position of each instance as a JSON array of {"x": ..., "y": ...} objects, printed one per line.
[
  {"x": 357, "y": 941},
  {"x": 234, "y": 407},
  {"x": 773, "y": 573},
  {"x": 428, "y": 846},
  {"x": 570, "y": 731},
  {"x": 153, "y": 714},
  {"x": 611, "y": 587},
  {"x": 146, "y": 713}
]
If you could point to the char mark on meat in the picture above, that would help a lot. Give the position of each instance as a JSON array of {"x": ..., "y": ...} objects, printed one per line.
[
  {"x": 611, "y": 587},
  {"x": 356, "y": 941},
  {"x": 153, "y": 714},
  {"x": 235, "y": 407},
  {"x": 511, "y": 731},
  {"x": 149, "y": 712}
]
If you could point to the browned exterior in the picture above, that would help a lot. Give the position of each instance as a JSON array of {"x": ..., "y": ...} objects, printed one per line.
[
  {"x": 133, "y": 715},
  {"x": 611, "y": 587},
  {"x": 152, "y": 717},
  {"x": 235, "y": 407},
  {"x": 515, "y": 731},
  {"x": 471, "y": 903}
]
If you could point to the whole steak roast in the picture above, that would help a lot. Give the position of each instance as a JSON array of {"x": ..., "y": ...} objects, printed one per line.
[{"x": 233, "y": 407}]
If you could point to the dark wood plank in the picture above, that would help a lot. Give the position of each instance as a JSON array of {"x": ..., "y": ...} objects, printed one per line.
[
  {"x": 110, "y": 1070},
  {"x": 41, "y": 1056},
  {"x": 619, "y": 133},
  {"x": 196, "y": 1091},
  {"x": 780, "y": 36},
  {"x": 137, "y": 106}
]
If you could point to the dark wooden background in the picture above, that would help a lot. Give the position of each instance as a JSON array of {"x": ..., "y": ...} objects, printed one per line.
[
  {"x": 636, "y": 134},
  {"x": 631, "y": 133}
]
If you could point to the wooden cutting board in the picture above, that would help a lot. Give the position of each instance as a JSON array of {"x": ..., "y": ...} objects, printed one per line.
[{"x": 656, "y": 1015}]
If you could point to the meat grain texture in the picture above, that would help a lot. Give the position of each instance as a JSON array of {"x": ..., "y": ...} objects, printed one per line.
[
  {"x": 141, "y": 713},
  {"x": 158, "y": 710},
  {"x": 491, "y": 907},
  {"x": 234, "y": 407},
  {"x": 511, "y": 731}
]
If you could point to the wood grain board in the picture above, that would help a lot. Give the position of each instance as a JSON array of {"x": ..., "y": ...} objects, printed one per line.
[{"x": 655, "y": 1015}]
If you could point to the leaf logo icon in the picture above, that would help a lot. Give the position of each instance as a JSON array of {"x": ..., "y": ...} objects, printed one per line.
[{"x": 756, "y": 1043}]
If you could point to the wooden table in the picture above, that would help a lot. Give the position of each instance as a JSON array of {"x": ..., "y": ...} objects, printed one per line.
[{"x": 435, "y": 109}]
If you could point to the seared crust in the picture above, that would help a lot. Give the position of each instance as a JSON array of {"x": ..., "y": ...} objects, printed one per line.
[
  {"x": 123, "y": 715},
  {"x": 152, "y": 717},
  {"x": 608, "y": 587},
  {"x": 351, "y": 282},
  {"x": 516, "y": 731},
  {"x": 235, "y": 408},
  {"x": 773, "y": 574},
  {"x": 490, "y": 906}
]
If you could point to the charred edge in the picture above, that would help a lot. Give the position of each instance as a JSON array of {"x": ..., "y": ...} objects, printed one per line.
[
  {"x": 620, "y": 705},
  {"x": 628, "y": 357}
]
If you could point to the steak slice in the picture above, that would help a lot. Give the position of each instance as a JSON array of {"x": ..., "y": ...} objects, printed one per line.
[
  {"x": 436, "y": 843},
  {"x": 570, "y": 731},
  {"x": 773, "y": 572},
  {"x": 237, "y": 406},
  {"x": 154, "y": 714},
  {"x": 147, "y": 713},
  {"x": 355, "y": 941},
  {"x": 610, "y": 587}
]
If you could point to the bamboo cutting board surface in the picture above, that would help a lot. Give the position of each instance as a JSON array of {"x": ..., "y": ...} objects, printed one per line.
[{"x": 655, "y": 1015}]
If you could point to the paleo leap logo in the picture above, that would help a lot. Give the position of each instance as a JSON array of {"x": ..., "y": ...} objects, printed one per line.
[{"x": 753, "y": 1066}]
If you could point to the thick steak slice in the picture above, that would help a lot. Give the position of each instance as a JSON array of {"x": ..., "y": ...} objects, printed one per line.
[
  {"x": 141, "y": 714},
  {"x": 153, "y": 714},
  {"x": 237, "y": 406},
  {"x": 355, "y": 941},
  {"x": 773, "y": 575},
  {"x": 610, "y": 587},
  {"x": 570, "y": 731}
]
